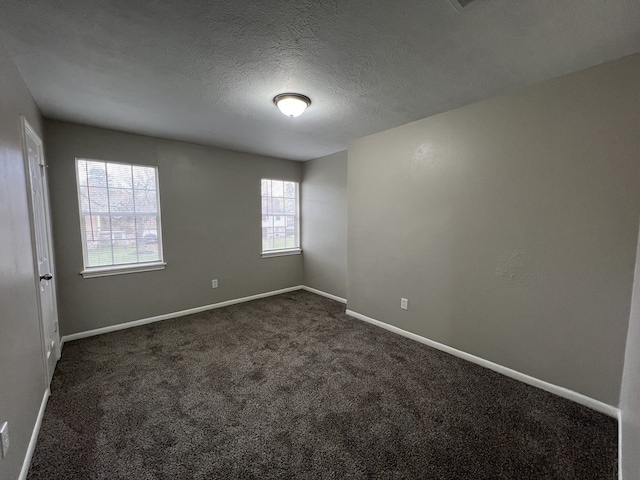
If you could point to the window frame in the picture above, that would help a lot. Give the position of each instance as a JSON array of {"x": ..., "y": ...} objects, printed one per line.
[
  {"x": 121, "y": 268},
  {"x": 282, "y": 251}
]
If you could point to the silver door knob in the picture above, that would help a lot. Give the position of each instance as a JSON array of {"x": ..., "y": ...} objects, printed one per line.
[{"x": 46, "y": 276}]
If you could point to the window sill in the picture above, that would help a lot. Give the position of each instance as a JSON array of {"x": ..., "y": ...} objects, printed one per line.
[
  {"x": 121, "y": 269},
  {"x": 281, "y": 253}
]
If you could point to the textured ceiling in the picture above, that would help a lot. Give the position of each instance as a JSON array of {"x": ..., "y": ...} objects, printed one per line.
[{"x": 206, "y": 71}]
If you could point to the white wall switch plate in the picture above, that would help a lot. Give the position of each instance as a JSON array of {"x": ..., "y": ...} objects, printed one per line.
[
  {"x": 4, "y": 433},
  {"x": 404, "y": 304},
  {"x": 214, "y": 283}
]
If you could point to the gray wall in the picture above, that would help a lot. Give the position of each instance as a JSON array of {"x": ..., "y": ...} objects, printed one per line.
[
  {"x": 510, "y": 225},
  {"x": 324, "y": 223},
  {"x": 22, "y": 377},
  {"x": 211, "y": 221},
  {"x": 630, "y": 394}
]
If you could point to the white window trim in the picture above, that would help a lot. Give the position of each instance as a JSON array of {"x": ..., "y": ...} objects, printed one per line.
[
  {"x": 281, "y": 253},
  {"x": 94, "y": 272},
  {"x": 120, "y": 269},
  {"x": 287, "y": 251}
]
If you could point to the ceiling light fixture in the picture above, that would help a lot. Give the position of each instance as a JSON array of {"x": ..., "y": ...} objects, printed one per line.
[{"x": 292, "y": 104}]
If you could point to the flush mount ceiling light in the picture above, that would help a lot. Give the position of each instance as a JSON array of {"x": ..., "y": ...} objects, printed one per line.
[{"x": 292, "y": 104}]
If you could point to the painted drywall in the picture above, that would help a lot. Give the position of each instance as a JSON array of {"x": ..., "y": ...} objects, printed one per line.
[
  {"x": 510, "y": 225},
  {"x": 206, "y": 72},
  {"x": 22, "y": 376},
  {"x": 211, "y": 222},
  {"x": 630, "y": 393},
  {"x": 324, "y": 223}
]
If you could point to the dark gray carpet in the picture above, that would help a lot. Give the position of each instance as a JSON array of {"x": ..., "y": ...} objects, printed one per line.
[{"x": 290, "y": 387}]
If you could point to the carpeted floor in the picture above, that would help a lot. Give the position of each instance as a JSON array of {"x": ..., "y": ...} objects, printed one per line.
[{"x": 290, "y": 387}]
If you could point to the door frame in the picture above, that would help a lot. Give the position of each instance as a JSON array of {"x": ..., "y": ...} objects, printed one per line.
[{"x": 26, "y": 128}]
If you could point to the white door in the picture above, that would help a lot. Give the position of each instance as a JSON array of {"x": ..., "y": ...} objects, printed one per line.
[{"x": 41, "y": 226}]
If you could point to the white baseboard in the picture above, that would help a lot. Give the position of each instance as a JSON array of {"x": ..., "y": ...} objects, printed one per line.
[
  {"x": 324, "y": 294},
  {"x": 619, "y": 444},
  {"x": 181, "y": 313},
  {"x": 549, "y": 387},
  {"x": 166, "y": 316},
  {"x": 34, "y": 437}
]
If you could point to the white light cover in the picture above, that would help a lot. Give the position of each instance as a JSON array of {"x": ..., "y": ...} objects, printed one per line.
[{"x": 291, "y": 106}]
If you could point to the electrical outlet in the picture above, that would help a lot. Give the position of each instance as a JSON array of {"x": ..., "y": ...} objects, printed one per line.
[
  {"x": 4, "y": 433},
  {"x": 214, "y": 283},
  {"x": 404, "y": 304}
]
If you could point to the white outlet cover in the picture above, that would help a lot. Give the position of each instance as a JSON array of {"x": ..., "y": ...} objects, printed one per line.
[
  {"x": 214, "y": 283},
  {"x": 4, "y": 433},
  {"x": 404, "y": 304}
]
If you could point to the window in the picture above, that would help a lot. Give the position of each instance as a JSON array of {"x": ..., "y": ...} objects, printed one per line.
[
  {"x": 119, "y": 217},
  {"x": 280, "y": 218}
]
